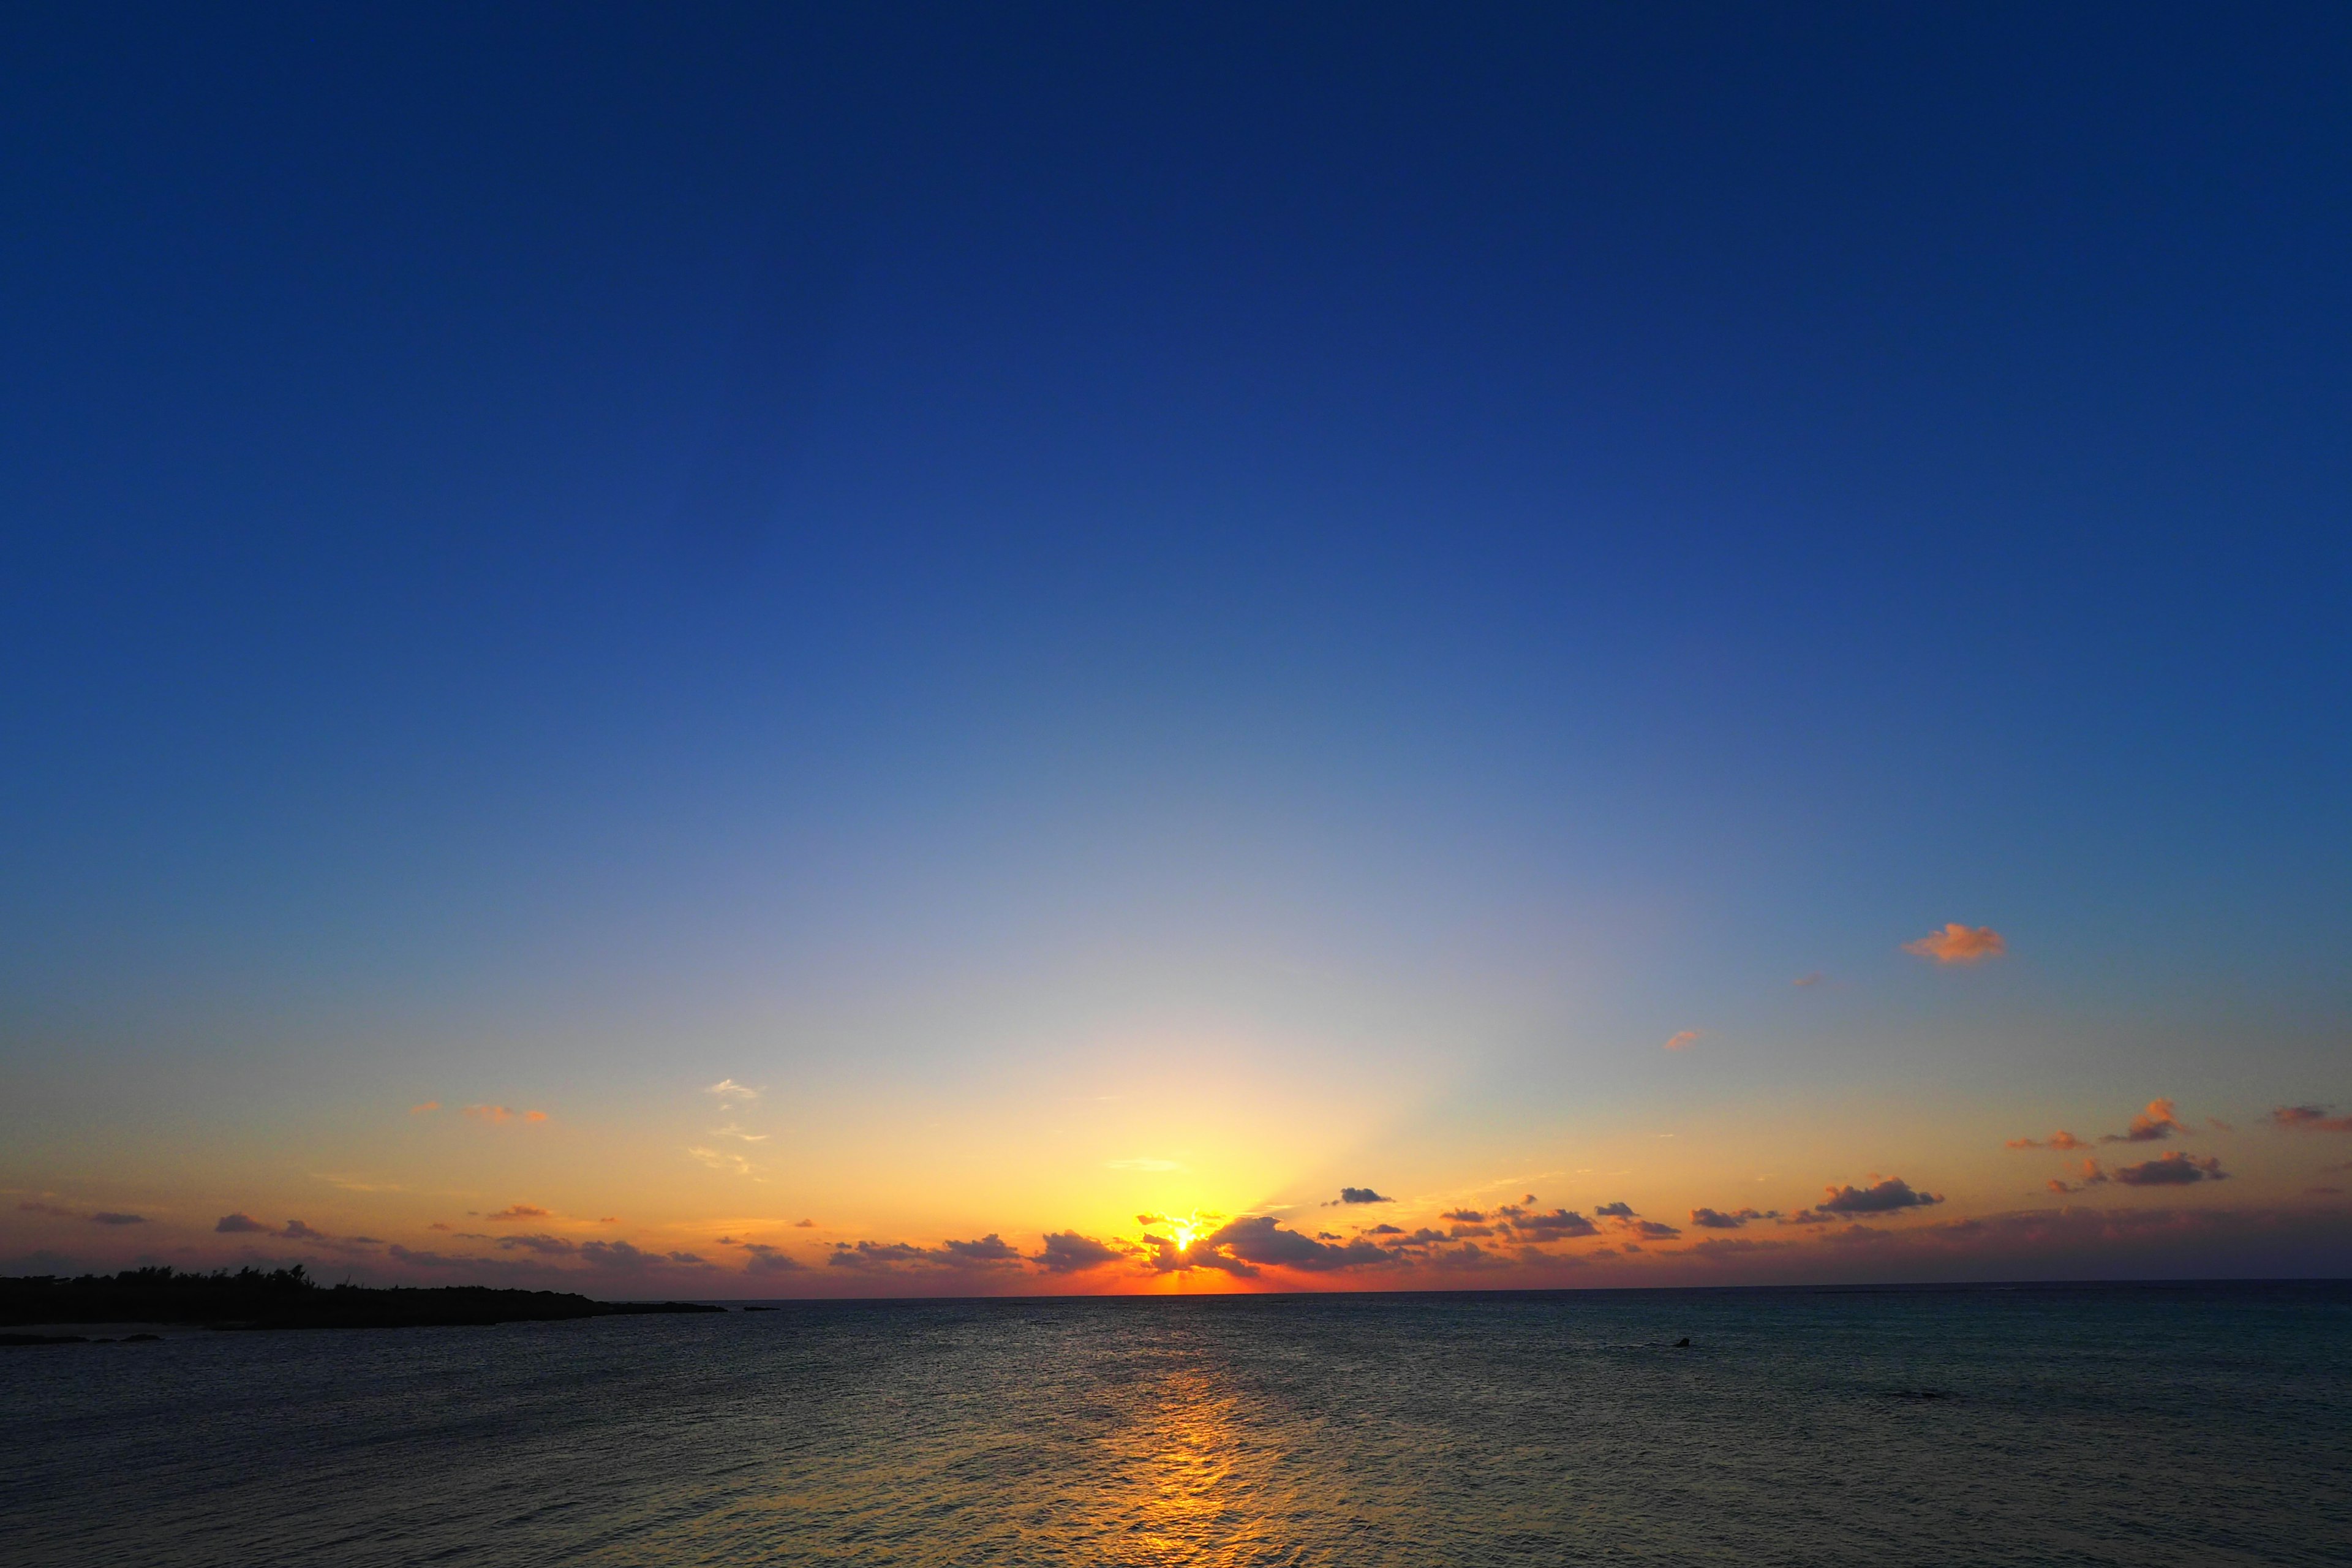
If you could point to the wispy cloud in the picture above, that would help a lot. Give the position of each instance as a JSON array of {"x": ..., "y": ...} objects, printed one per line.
[
  {"x": 2309, "y": 1119},
  {"x": 1683, "y": 1040},
  {"x": 1957, "y": 943},
  {"x": 520, "y": 1211},
  {"x": 2062, "y": 1139},
  {"x": 723, "y": 1159},
  {"x": 1805, "y": 982},
  {"x": 426, "y": 1109},
  {"x": 107, "y": 1216},
  {"x": 727, "y": 1091},
  {"x": 500, "y": 1115}
]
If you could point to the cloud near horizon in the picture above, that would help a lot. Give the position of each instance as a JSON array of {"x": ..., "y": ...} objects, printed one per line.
[
  {"x": 1957, "y": 943},
  {"x": 1890, "y": 1195}
]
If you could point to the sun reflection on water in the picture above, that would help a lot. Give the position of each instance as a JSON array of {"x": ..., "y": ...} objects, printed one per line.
[{"x": 1184, "y": 1484}]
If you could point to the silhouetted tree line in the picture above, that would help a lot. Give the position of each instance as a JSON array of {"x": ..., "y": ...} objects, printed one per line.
[{"x": 289, "y": 1299}]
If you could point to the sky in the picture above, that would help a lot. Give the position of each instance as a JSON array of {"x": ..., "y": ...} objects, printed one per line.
[{"x": 790, "y": 651}]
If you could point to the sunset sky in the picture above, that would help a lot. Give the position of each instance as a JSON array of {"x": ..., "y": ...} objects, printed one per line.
[{"x": 866, "y": 651}]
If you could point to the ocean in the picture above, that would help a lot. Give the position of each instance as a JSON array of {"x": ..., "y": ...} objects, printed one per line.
[{"x": 2195, "y": 1424}]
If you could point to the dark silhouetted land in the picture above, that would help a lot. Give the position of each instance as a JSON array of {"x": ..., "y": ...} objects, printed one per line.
[{"x": 290, "y": 1299}]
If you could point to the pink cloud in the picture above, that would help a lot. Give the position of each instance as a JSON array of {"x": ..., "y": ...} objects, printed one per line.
[
  {"x": 1683, "y": 1041},
  {"x": 2062, "y": 1139},
  {"x": 1957, "y": 943},
  {"x": 2154, "y": 1123}
]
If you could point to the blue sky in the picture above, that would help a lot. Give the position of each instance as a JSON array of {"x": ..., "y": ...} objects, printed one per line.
[{"x": 1293, "y": 566}]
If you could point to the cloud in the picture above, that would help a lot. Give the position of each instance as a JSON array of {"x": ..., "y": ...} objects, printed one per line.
[
  {"x": 1888, "y": 1196},
  {"x": 988, "y": 1252},
  {"x": 2062, "y": 1139},
  {"x": 1957, "y": 943},
  {"x": 500, "y": 1115},
  {"x": 2091, "y": 1177},
  {"x": 1649, "y": 1229},
  {"x": 690, "y": 1259},
  {"x": 1683, "y": 1040},
  {"x": 1806, "y": 980},
  {"x": 520, "y": 1211},
  {"x": 106, "y": 1216},
  {"x": 295, "y": 1230},
  {"x": 2171, "y": 1170},
  {"x": 1556, "y": 1226},
  {"x": 238, "y": 1224},
  {"x": 354, "y": 1185},
  {"x": 1261, "y": 1240},
  {"x": 430, "y": 1259},
  {"x": 546, "y": 1246},
  {"x": 2156, "y": 1122},
  {"x": 2310, "y": 1119},
  {"x": 1615, "y": 1211},
  {"x": 1717, "y": 1219},
  {"x": 1067, "y": 1252},
  {"x": 1141, "y": 1164},
  {"x": 1464, "y": 1216},
  {"x": 1358, "y": 1196},
  {"x": 804, "y": 1224},
  {"x": 732, "y": 1093},
  {"x": 723, "y": 1159},
  {"x": 615, "y": 1255},
  {"x": 426, "y": 1109},
  {"x": 1386, "y": 1230},
  {"x": 733, "y": 1130},
  {"x": 766, "y": 1259}
]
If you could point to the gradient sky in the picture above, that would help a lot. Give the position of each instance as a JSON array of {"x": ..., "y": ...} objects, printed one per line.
[{"x": 621, "y": 628}]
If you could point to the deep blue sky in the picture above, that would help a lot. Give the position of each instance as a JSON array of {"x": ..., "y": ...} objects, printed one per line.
[{"x": 702, "y": 518}]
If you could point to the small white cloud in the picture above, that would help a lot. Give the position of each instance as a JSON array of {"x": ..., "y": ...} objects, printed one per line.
[
  {"x": 732, "y": 1092},
  {"x": 721, "y": 1160}
]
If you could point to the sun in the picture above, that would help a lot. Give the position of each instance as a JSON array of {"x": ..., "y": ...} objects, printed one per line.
[{"x": 1184, "y": 1235}]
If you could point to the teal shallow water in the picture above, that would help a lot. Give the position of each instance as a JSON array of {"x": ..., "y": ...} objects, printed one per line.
[{"x": 2107, "y": 1426}]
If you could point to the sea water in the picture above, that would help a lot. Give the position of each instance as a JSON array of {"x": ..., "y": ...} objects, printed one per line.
[{"x": 2207, "y": 1425}]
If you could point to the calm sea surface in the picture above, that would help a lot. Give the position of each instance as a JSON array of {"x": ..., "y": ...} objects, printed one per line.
[{"x": 2201, "y": 1426}]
